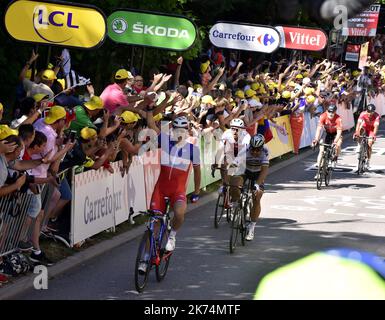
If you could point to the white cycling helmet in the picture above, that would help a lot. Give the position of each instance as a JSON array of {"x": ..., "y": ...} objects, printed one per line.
[
  {"x": 180, "y": 122},
  {"x": 237, "y": 123},
  {"x": 257, "y": 141}
]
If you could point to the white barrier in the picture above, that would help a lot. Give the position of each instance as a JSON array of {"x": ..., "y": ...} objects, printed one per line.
[
  {"x": 309, "y": 130},
  {"x": 102, "y": 200}
]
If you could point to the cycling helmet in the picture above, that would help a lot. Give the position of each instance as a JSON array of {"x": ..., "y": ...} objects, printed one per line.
[
  {"x": 371, "y": 108},
  {"x": 237, "y": 123},
  {"x": 180, "y": 122},
  {"x": 332, "y": 108},
  {"x": 257, "y": 141}
]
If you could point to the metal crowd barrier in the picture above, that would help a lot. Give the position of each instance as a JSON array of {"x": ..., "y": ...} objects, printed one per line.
[{"x": 13, "y": 213}]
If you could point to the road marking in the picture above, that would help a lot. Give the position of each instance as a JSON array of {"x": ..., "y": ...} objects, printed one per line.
[{"x": 293, "y": 208}]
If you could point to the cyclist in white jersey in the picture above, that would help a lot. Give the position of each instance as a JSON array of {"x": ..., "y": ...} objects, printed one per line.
[{"x": 256, "y": 169}]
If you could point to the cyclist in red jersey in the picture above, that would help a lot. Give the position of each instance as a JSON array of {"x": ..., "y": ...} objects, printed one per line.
[
  {"x": 368, "y": 121},
  {"x": 331, "y": 122},
  {"x": 177, "y": 155}
]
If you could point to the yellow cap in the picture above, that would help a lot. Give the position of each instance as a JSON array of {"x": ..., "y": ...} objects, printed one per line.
[
  {"x": 123, "y": 74},
  {"x": 255, "y": 86},
  {"x": 129, "y": 117},
  {"x": 1, "y": 107},
  {"x": 208, "y": 100},
  {"x": 262, "y": 90},
  {"x": 6, "y": 132},
  {"x": 286, "y": 95},
  {"x": 55, "y": 113},
  {"x": 310, "y": 99},
  {"x": 197, "y": 86},
  {"x": 48, "y": 75},
  {"x": 40, "y": 96},
  {"x": 205, "y": 66},
  {"x": 88, "y": 133},
  {"x": 308, "y": 91},
  {"x": 356, "y": 73},
  {"x": 95, "y": 103},
  {"x": 299, "y": 76},
  {"x": 249, "y": 93},
  {"x": 240, "y": 94},
  {"x": 158, "y": 117},
  {"x": 292, "y": 84}
]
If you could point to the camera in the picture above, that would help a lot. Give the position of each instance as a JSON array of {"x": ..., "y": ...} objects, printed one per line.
[
  {"x": 16, "y": 175},
  {"x": 70, "y": 137}
]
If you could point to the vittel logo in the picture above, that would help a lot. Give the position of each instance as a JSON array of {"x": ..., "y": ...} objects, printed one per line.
[{"x": 159, "y": 31}]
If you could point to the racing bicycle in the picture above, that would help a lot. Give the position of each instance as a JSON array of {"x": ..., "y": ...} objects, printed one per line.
[
  {"x": 325, "y": 169},
  {"x": 151, "y": 251},
  {"x": 241, "y": 215},
  {"x": 363, "y": 154},
  {"x": 222, "y": 207}
]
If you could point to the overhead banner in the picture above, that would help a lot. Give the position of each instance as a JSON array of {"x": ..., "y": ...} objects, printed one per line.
[
  {"x": 245, "y": 37},
  {"x": 352, "y": 52},
  {"x": 55, "y": 23},
  {"x": 302, "y": 38},
  {"x": 151, "y": 30},
  {"x": 364, "y": 24}
]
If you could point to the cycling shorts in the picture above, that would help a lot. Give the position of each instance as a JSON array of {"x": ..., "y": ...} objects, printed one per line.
[{"x": 174, "y": 189}]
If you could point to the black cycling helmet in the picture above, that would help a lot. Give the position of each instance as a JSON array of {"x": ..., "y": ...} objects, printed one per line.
[
  {"x": 371, "y": 108},
  {"x": 332, "y": 108}
]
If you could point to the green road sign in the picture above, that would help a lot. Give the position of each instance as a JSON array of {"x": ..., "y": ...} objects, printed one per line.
[{"x": 151, "y": 30}]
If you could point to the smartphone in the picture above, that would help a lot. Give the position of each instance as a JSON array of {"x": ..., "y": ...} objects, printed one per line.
[{"x": 72, "y": 135}]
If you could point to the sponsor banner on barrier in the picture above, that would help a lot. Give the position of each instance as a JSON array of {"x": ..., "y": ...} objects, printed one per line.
[
  {"x": 346, "y": 116},
  {"x": 352, "y": 52},
  {"x": 151, "y": 168},
  {"x": 283, "y": 140},
  {"x": 309, "y": 130},
  {"x": 297, "y": 38},
  {"x": 56, "y": 23},
  {"x": 103, "y": 200},
  {"x": 151, "y": 29},
  {"x": 363, "y": 24},
  {"x": 94, "y": 204},
  {"x": 130, "y": 186},
  {"x": 245, "y": 37}
]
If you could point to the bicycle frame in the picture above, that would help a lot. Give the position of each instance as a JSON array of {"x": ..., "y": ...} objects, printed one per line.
[
  {"x": 324, "y": 170},
  {"x": 363, "y": 156}
]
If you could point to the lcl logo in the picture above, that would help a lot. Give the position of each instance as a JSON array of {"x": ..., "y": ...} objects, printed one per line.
[{"x": 42, "y": 19}]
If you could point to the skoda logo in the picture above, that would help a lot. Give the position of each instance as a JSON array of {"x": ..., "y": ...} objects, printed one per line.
[{"x": 119, "y": 25}]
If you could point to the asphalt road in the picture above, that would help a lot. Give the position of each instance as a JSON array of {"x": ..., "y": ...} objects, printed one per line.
[{"x": 296, "y": 220}]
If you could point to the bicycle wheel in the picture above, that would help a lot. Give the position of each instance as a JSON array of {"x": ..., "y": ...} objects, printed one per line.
[
  {"x": 242, "y": 227},
  {"x": 164, "y": 257},
  {"x": 248, "y": 207},
  {"x": 143, "y": 256},
  {"x": 219, "y": 208},
  {"x": 361, "y": 161},
  {"x": 234, "y": 229},
  {"x": 320, "y": 175}
]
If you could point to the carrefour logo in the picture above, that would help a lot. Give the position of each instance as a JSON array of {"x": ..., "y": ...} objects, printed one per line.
[
  {"x": 245, "y": 37},
  {"x": 268, "y": 40},
  {"x": 55, "y": 23}
]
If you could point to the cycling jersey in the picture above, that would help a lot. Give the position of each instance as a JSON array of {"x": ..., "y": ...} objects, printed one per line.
[
  {"x": 369, "y": 121},
  {"x": 330, "y": 125},
  {"x": 174, "y": 171},
  {"x": 254, "y": 164}
]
